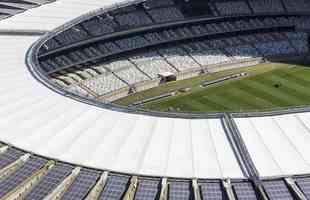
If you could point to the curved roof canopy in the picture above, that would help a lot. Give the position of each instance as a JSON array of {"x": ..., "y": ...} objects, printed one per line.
[{"x": 36, "y": 119}]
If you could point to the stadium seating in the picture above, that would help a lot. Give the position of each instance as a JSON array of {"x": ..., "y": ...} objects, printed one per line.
[
  {"x": 101, "y": 50},
  {"x": 152, "y": 64},
  {"x": 142, "y": 67},
  {"x": 115, "y": 51},
  {"x": 233, "y": 7},
  {"x": 104, "y": 83},
  {"x": 267, "y": 6},
  {"x": 178, "y": 58},
  {"x": 150, "y": 13},
  {"x": 297, "y": 5}
]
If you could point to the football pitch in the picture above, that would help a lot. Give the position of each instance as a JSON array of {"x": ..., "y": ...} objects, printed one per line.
[{"x": 267, "y": 87}]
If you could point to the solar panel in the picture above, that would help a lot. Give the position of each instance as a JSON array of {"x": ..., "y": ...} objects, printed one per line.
[
  {"x": 277, "y": 190},
  {"x": 81, "y": 185},
  {"x": 115, "y": 188},
  {"x": 212, "y": 191},
  {"x": 147, "y": 189},
  {"x": 304, "y": 185},
  {"x": 180, "y": 190},
  {"x": 9, "y": 156},
  {"x": 20, "y": 175},
  {"x": 49, "y": 182},
  {"x": 244, "y": 191}
]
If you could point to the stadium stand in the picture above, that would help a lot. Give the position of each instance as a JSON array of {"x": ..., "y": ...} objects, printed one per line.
[
  {"x": 152, "y": 64},
  {"x": 118, "y": 155},
  {"x": 110, "y": 48},
  {"x": 232, "y": 7},
  {"x": 181, "y": 58},
  {"x": 267, "y": 6}
]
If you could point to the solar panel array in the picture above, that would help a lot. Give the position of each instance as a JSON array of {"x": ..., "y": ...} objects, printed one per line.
[
  {"x": 114, "y": 188},
  {"x": 21, "y": 174},
  {"x": 116, "y": 184},
  {"x": 277, "y": 190},
  {"x": 147, "y": 189},
  {"x": 151, "y": 11},
  {"x": 212, "y": 191},
  {"x": 304, "y": 185},
  {"x": 180, "y": 190},
  {"x": 244, "y": 191},
  {"x": 9, "y": 156},
  {"x": 49, "y": 182},
  {"x": 81, "y": 185}
]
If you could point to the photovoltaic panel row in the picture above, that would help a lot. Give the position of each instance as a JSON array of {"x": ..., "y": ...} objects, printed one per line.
[
  {"x": 147, "y": 189},
  {"x": 115, "y": 187},
  {"x": 21, "y": 174},
  {"x": 9, "y": 156},
  {"x": 277, "y": 190},
  {"x": 81, "y": 185},
  {"x": 212, "y": 191},
  {"x": 49, "y": 182},
  {"x": 244, "y": 191},
  {"x": 304, "y": 185},
  {"x": 180, "y": 190}
]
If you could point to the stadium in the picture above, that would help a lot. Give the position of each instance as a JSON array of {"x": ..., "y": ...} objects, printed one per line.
[{"x": 155, "y": 100}]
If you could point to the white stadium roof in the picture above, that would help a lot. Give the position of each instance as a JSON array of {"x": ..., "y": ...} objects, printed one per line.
[
  {"x": 39, "y": 120},
  {"x": 278, "y": 144},
  {"x": 52, "y": 15},
  {"x": 36, "y": 119}
]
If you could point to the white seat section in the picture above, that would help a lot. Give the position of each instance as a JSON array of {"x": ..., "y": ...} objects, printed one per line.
[
  {"x": 271, "y": 145},
  {"x": 36, "y": 119}
]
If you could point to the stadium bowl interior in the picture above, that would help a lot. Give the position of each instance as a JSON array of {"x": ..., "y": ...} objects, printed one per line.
[{"x": 62, "y": 137}]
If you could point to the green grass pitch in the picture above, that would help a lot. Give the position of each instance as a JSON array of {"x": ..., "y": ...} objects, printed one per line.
[{"x": 255, "y": 92}]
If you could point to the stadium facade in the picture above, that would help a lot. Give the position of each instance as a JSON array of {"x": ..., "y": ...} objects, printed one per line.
[{"x": 60, "y": 142}]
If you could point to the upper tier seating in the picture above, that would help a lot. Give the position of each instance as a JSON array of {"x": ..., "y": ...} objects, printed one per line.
[
  {"x": 166, "y": 14},
  {"x": 266, "y": 6},
  {"x": 297, "y": 5},
  {"x": 233, "y": 8},
  {"x": 209, "y": 54}
]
